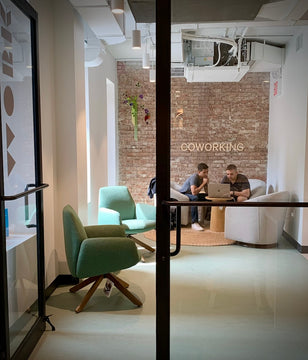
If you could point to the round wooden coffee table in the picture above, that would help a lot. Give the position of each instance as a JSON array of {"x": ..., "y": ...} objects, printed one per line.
[{"x": 217, "y": 223}]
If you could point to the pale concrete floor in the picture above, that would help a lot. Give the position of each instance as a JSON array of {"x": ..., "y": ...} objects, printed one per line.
[{"x": 227, "y": 302}]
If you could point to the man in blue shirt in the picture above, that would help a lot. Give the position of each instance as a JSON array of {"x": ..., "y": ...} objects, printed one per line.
[{"x": 195, "y": 187}]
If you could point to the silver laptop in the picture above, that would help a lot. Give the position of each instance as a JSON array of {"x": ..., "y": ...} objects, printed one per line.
[{"x": 219, "y": 190}]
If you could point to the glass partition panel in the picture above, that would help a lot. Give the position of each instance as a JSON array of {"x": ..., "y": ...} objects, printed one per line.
[
  {"x": 18, "y": 161},
  {"x": 238, "y": 106}
]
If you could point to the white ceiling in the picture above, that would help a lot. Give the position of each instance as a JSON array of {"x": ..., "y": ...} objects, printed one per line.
[{"x": 276, "y": 23}]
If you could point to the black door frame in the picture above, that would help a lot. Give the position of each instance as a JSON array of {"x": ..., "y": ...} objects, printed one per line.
[
  {"x": 32, "y": 337},
  {"x": 163, "y": 57}
]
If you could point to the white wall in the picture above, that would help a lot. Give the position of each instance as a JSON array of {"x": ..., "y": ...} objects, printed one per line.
[
  {"x": 287, "y": 159},
  {"x": 97, "y": 77},
  {"x": 62, "y": 88},
  {"x": 47, "y": 91},
  {"x": 63, "y": 116}
]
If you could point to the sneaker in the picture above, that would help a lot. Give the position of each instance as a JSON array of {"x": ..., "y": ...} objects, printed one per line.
[{"x": 196, "y": 226}]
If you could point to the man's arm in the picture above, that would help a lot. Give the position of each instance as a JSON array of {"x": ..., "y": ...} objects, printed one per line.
[
  {"x": 244, "y": 193},
  {"x": 196, "y": 189}
]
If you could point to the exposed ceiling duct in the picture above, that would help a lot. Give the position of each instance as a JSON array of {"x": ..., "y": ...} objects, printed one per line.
[
  {"x": 228, "y": 59},
  {"x": 268, "y": 22}
]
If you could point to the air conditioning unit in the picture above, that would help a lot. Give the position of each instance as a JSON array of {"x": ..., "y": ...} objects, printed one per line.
[{"x": 210, "y": 59}]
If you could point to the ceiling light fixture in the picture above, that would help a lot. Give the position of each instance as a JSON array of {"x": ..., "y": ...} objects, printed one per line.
[
  {"x": 136, "y": 39},
  {"x": 117, "y": 6}
]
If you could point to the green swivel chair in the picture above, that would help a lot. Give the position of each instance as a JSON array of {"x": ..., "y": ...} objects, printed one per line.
[
  {"x": 94, "y": 252},
  {"x": 116, "y": 206}
]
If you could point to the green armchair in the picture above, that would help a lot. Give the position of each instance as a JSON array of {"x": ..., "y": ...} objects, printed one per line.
[
  {"x": 116, "y": 206},
  {"x": 94, "y": 252}
]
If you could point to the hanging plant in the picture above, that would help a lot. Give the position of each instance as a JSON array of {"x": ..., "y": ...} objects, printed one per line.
[{"x": 132, "y": 101}]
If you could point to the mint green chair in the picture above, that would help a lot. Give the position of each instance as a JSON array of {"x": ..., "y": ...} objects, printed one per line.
[
  {"x": 94, "y": 252},
  {"x": 116, "y": 206}
]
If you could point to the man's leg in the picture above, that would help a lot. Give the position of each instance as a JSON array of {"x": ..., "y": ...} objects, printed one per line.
[
  {"x": 194, "y": 213},
  {"x": 207, "y": 212}
]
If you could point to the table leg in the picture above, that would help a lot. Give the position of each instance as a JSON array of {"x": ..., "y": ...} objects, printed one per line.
[{"x": 217, "y": 219}]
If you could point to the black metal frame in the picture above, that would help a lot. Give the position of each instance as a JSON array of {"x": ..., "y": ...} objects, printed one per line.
[
  {"x": 163, "y": 56},
  {"x": 163, "y": 87},
  {"x": 30, "y": 340}
]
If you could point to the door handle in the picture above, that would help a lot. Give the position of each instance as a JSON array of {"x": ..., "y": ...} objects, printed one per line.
[{"x": 27, "y": 206}]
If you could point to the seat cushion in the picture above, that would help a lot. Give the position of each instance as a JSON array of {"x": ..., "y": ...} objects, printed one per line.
[
  {"x": 138, "y": 226},
  {"x": 99, "y": 256}
]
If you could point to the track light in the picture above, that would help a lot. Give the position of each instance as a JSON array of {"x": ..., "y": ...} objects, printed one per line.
[
  {"x": 117, "y": 6},
  {"x": 136, "y": 42}
]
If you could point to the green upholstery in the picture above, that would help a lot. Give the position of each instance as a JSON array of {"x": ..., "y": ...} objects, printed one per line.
[
  {"x": 119, "y": 199},
  {"x": 116, "y": 206},
  {"x": 74, "y": 234},
  {"x": 96, "y": 250}
]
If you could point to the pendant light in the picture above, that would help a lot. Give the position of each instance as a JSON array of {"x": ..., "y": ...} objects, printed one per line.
[
  {"x": 136, "y": 39},
  {"x": 117, "y": 6}
]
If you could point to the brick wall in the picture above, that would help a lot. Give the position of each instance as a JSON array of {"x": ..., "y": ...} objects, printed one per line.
[{"x": 221, "y": 123}]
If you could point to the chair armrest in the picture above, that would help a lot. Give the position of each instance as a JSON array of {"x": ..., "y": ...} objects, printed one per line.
[
  {"x": 96, "y": 231},
  {"x": 145, "y": 212},
  {"x": 108, "y": 217},
  {"x": 178, "y": 196}
]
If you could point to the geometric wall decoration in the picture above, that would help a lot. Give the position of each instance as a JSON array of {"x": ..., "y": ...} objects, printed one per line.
[
  {"x": 10, "y": 163},
  {"x": 9, "y": 136}
]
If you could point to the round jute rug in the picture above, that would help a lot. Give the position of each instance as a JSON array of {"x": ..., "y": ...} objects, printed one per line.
[{"x": 195, "y": 238}]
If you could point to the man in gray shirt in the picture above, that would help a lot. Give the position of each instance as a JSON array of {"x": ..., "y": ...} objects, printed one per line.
[{"x": 192, "y": 188}]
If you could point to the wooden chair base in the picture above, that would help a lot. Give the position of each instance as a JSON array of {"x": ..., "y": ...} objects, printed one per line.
[
  {"x": 120, "y": 284},
  {"x": 141, "y": 243}
]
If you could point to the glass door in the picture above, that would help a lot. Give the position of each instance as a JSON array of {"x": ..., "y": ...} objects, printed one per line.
[{"x": 22, "y": 265}]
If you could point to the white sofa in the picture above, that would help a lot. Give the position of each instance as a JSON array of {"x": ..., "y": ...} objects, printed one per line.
[{"x": 261, "y": 226}]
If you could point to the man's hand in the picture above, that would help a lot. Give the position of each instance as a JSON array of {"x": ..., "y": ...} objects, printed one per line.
[{"x": 205, "y": 181}]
